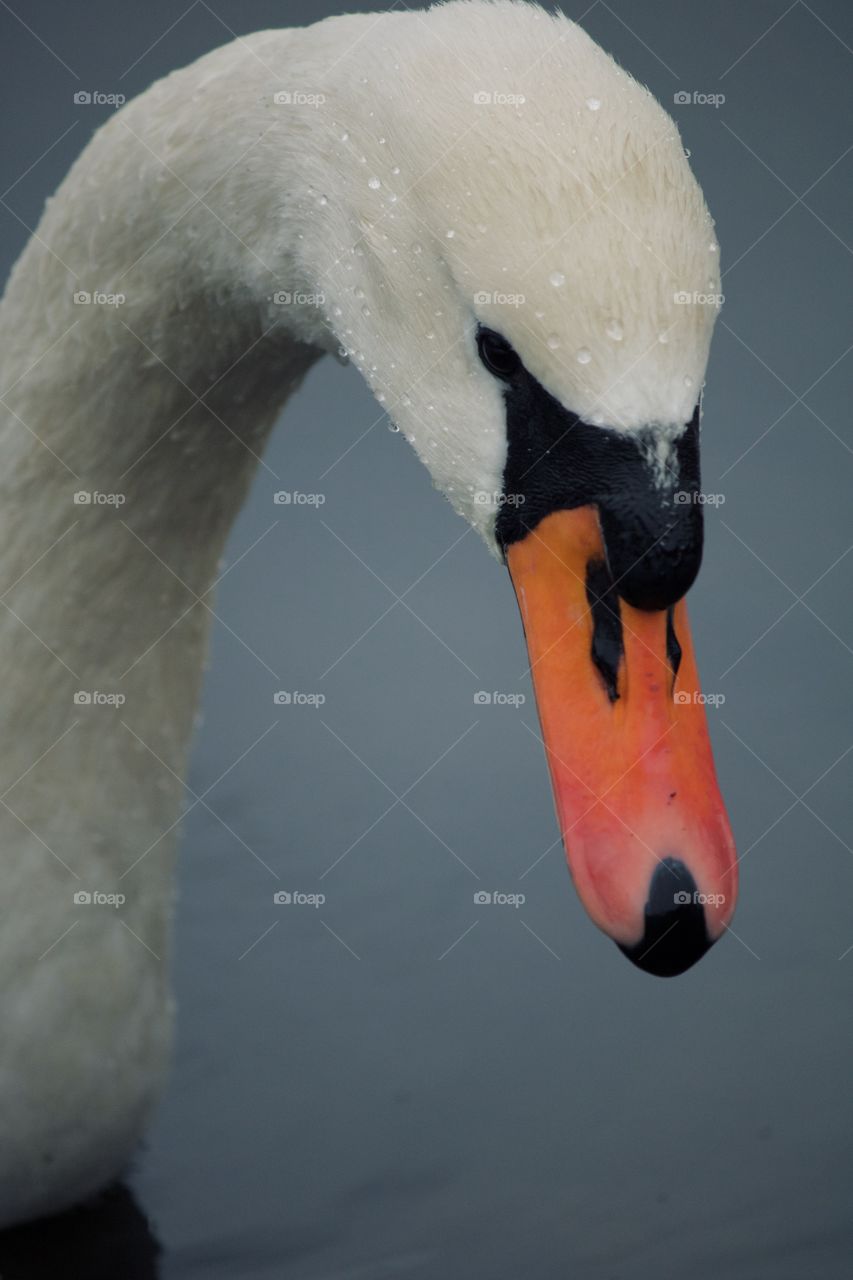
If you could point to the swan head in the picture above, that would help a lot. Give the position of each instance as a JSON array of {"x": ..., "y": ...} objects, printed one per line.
[{"x": 528, "y": 279}]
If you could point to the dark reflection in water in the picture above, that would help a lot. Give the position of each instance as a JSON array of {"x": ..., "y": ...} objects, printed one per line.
[{"x": 108, "y": 1239}]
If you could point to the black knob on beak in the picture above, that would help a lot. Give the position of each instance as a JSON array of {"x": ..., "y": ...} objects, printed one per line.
[
  {"x": 654, "y": 547},
  {"x": 652, "y": 526}
]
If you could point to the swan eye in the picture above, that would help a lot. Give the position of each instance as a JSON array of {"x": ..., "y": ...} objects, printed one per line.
[{"x": 496, "y": 354}]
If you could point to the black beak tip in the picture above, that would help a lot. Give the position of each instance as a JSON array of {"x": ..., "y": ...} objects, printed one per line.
[{"x": 676, "y": 935}]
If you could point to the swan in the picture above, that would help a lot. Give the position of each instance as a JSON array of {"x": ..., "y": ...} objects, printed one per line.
[{"x": 500, "y": 229}]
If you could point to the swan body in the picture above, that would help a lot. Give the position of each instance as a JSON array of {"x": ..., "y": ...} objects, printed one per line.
[{"x": 355, "y": 167}]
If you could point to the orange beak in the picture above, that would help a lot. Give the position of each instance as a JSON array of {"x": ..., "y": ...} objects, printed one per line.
[{"x": 648, "y": 841}]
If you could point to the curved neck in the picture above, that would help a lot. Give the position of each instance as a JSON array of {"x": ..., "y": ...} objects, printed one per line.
[
  {"x": 122, "y": 475},
  {"x": 155, "y": 406},
  {"x": 140, "y": 369}
]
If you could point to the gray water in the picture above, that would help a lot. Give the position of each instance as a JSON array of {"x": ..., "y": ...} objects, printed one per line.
[{"x": 401, "y": 1082}]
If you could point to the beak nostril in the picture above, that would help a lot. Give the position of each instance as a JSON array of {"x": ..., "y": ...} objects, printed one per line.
[
  {"x": 673, "y": 645},
  {"x": 608, "y": 649},
  {"x": 675, "y": 934}
]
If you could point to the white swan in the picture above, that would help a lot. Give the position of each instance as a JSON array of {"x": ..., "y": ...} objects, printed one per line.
[{"x": 500, "y": 226}]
